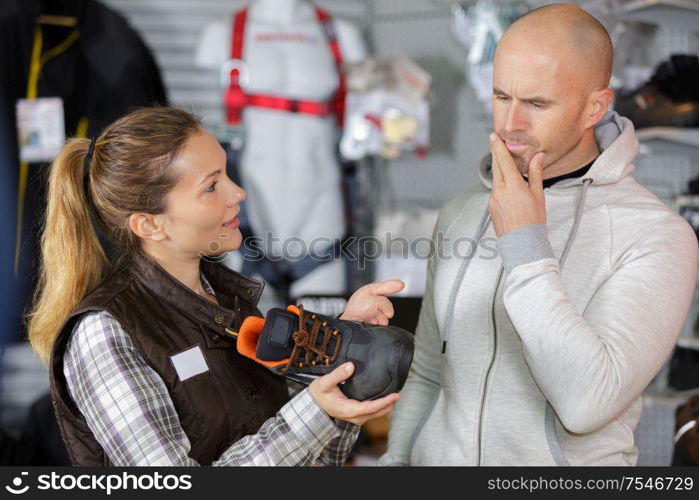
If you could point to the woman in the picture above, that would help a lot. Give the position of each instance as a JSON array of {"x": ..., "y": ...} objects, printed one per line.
[{"x": 143, "y": 369}]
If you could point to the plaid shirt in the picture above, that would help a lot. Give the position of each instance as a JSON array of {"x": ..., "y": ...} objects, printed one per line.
[{"x": 128, "y": 408}]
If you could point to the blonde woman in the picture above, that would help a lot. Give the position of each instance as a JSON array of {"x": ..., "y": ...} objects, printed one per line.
[{"x": 142, "y": 365}]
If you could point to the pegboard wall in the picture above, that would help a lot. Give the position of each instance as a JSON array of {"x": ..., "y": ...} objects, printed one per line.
[{"x": 655, "y": 431}]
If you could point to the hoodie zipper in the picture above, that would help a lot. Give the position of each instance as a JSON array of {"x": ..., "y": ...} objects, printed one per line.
[
  {"x": 480, "y": 231},
  {"x": 490, "y": 367}
]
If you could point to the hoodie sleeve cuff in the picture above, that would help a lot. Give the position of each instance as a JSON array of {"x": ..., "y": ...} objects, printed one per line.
[{"x": 524, "y": 245}]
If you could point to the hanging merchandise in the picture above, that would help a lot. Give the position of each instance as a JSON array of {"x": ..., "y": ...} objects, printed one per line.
[
  {"x": 281, "y": 69},
  {"x": 633, "y": 52},
  {"x": 387, "y": 109},
  {"x": 69, "y": 67},
  {"x": 670, "y": 98},
  {"x": 40, "y": 128},
  {"x": 79, "y": 51},
  {"x": 234, "y": 77},
  {"x": 686, "y": 437},
  {"x": 684, "y": 369},
  {"x": 13, "y": 295},
  {"x": 633, "y": 43},
  {"x": 479, "y": 27}
]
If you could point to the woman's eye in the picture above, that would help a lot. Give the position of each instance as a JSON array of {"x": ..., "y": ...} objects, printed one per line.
[{"x": 210, "y": 189}]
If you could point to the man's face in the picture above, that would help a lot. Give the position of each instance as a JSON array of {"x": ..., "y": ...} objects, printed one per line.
[{"x": 538, "y": 102}]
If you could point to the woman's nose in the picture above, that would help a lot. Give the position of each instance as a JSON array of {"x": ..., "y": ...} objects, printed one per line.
[{"x": 238, "y": 195}]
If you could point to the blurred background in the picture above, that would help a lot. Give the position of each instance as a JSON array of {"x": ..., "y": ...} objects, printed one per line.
[{"x": 416, "y": 80}]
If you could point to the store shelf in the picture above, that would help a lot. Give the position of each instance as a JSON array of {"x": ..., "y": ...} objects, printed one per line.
[
  {"x": 659, "y": 392},
  {"x": 674, "y": 399},
  {"x": 682, "y": 136},
  {"x": 669, "y": 140},
  {"x": 688, "y": 342},
  {"x": 676, "y": 13}
]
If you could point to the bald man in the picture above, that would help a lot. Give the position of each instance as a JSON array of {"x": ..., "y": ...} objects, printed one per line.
[{"x": 538, "y": 354}]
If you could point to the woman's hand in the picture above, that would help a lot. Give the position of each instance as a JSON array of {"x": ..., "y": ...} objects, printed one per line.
[
  {"x": 369, "y": 304},
  {"x": 331, "y": 399}
]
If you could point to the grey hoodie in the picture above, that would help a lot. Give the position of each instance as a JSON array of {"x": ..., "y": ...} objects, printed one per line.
[{"x": 550, "y": 338}]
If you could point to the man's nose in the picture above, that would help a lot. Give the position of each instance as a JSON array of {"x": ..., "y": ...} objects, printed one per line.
[{"x": 515, "y": 121}]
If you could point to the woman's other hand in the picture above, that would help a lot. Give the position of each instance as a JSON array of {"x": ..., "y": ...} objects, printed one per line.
[
  {"x": 369, "y": 304},
  {"x": 331, "y": 399}
]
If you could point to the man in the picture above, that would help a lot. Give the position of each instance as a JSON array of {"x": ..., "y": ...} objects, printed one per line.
[{"x": 539, "y": 355}]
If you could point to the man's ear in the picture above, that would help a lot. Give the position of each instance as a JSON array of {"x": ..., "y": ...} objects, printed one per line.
[
  {"x": 147, "y": 226},
  {"x": 599, "y": 103}
]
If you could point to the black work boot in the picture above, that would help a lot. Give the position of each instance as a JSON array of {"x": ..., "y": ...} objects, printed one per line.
[{"x": 302, "y": 346}]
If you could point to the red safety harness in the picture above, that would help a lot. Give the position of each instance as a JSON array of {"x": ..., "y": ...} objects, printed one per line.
[{"x": 236, "y": 99}]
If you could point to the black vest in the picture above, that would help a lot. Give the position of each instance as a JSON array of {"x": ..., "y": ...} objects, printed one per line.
[{"x": 163, "y": 317}]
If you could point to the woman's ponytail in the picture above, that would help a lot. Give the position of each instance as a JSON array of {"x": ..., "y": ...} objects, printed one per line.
[{"x": 73, "y": 261}]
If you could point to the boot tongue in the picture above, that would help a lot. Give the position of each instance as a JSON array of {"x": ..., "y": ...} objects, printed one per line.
[{"x": 276, "y": 340}]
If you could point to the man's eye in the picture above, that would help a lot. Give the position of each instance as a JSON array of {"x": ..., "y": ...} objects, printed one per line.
[
  {"x": 538, "y": 105},
  {"x": 501, "y": 97},
  {"x": 210, "y": 189}
]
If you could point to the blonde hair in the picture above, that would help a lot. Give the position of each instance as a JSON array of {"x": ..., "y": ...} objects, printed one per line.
[{"x": 128, "y": 173}]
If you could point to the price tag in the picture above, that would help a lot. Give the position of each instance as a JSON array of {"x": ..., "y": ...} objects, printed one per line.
[{"x": 40, "y": 128}]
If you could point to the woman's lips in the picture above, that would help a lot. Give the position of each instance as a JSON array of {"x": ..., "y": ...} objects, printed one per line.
[
  {"x": 514, "y": 147},
  {"x": 233, "y": 223}
]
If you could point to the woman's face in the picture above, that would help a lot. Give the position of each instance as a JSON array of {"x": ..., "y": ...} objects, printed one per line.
[{"x": 202, "y": 208}]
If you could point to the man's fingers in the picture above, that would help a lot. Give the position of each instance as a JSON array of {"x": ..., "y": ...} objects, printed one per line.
[
  {"x": 498, "y": 181},
  {"x": 535, "y": 175},
  {"x": 339, "y": 374},
  {"x": 386, "y": 287},
  {"x": 503, "y": 159}
]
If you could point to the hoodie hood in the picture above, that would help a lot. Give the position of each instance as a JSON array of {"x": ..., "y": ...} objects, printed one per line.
[{"x": 618, "y": 145}]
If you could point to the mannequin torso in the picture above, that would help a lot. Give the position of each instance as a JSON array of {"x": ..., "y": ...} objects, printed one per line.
[{"x": 288, "y": 165}]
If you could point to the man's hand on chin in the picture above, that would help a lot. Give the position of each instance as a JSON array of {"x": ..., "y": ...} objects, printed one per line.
[{"x": 514, "y": 202}]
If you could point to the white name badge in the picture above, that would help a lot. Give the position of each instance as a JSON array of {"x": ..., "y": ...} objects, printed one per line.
[
  {"x": 189, "y": 363},
  {"x": 40, "y": 128}
]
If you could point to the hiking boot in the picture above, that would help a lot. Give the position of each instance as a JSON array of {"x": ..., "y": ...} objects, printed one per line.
[{"x": 302, "y": 346}]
